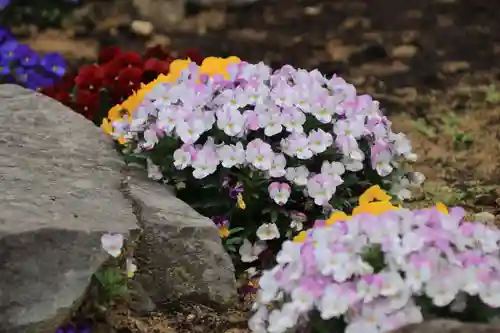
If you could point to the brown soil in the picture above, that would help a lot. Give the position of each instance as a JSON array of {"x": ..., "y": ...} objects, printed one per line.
[{"x": 433, "y": 64}]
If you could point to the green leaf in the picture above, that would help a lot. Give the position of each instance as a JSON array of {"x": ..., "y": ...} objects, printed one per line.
[
  {"x": 274, "y": 216},
  {"x": 235, "y": 230},
  {"x": 234, "y": 241}
]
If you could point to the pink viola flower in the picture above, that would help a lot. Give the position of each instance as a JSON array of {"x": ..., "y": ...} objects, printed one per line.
[{"x": 279, "y": 192}]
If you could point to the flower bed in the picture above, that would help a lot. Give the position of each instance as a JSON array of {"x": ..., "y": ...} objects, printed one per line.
[
  {"x": 379, "y": 269},
  {"x": 96, "y": 88},
  {"x": 21, "y": 65},
  {"x": 263, "y": 153}
]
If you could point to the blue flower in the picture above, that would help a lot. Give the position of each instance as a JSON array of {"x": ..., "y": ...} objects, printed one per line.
[
  {"x": 4, "y": 67},
  {"x": 26, "y": 55},
  {"x": 8, "y": 50},
  {"x": 53, "y": 62},
  {"x": 4, "y": 3}
]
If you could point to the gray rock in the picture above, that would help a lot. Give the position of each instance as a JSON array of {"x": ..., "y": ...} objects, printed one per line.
[
  {"x": 59, "y": 192},
  {"x": 185, "y": 259},
  {"x": 447, "y": 326}
]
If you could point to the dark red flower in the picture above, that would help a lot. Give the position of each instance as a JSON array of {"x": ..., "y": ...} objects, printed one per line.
[
  {"x": 157, "y": 66},
  {"x": 111, "y": 71},
  {"x": 109, "y": 53},
  {"x": 129, "y": 79},
  {"x": 194, "y": 55},
  {"x": 87, "y": 103},
  {"x": 158, "y": 52},
  {"x": 130, "y": 59},
  {"x": 90, "y": 77}
]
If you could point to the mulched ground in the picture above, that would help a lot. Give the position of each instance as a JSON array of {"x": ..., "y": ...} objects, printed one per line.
[{"x": 433, "y": 64}]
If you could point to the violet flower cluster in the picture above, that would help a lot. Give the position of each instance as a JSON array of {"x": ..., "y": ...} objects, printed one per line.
[
  {"x": 24, "y": 66},
  {"x": 271, "y": 123},
  {"x": 427, "y": 254}
]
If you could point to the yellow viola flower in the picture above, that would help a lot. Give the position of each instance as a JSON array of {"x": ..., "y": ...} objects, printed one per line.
[
  {"x": 224, "y": 232},
  {"x": 240, "y": 202},
  {"x": 442, "y": 208},
  {"x": 337, "y": 216},
  {"x": 106, "y": 126},
  {"x": 375, "y": 208},
  {"x": 301, "y": 237},
  {"x": 374, "y": 193}
]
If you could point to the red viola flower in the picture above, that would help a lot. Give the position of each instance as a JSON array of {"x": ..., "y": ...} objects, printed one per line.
[
  {"x": 90, "y": 77},
  {"x": 109, "y": 53},
  {"x": 157, "y": 66},
  {"x": 194, "y": 55},
  {"x": 129, "y": 79},
  {"x": 87, "y": 103},
  {"x": 63, "y": 96},
  {"x": 130, "y": 59},
  {"x": 158, "y": 52}
]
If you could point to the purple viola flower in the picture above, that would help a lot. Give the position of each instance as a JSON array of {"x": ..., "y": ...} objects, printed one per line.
[
  {"x": 4, "y": 67},
  {"x": 4, "y": 35},
  {"x": 27, "y": 56},
  {"x": 4, "y": 3},
  {"x": 53, "y": 62},
  {"x": 237, "y": 189},
  {"x": 8, "y": 50}
]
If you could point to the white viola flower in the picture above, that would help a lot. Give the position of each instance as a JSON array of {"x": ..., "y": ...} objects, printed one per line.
[
  {"x": 278, "y": 165},
  {"x": 322, "y": 187},
  {"x": 416, "y": 178},
  {"x": 290, "y": 252},
  {"x": 232, "y": 155},
  {"x": 189, "y": 131},
  {"x": 259, "y": 154},
  {"x": 269, "y": 286},
  {"x": 392, "y": 284},
  {"x": 442, "y": 290},
  {"x": 332, "y": 169},
  {"x": 270, "y": 119},
  {"x": 490, "y": 293},
  {"x": 338, "y": 265},
  {"x": 298, "y": 145},
  {"x": 402, "y": 146},
  {"x": 112, "y": 243},
  {"x": 231, "y": 121},
  {"x": 353, "y": 164},
  {"x": 319, "y": 140},
  {"x": 302, "y": 299},
  {"x": 250, "y": 252},
  {"x": 417, "y": 274},
  {"x": 352, "y": 127},
  {"x": 257, "y": 323},
  {"x": 205, "y": 163},
  {"x": 296, "y": 225},
  {"x": 256, "y": 93},
  {"x": 324, "y": 109},
  {"x": 400, "y": 188},
  {"x": 154, "y": 171},
  {"x": 381, "y": 162},
  {"x": 150, "y": 139},
  {"x": 332, "y": 303},
  {"x": 131, "y": 267},
  {"x": 268, "y": 231},
  {"x": 279, "y": 192},
  {"x": 297, "y": 175},
  {"x": 182, "y": 158},
  {"x": 167, "y": 119},
  {"x": 282, "y": 320},
  {"x": 293, "y": 120}
]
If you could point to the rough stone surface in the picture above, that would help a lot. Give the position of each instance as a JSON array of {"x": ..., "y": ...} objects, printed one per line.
[
  {"x": 185, "y": 259},
  {"x": 59, "y": 192},
  {"x": 448, "y": 326}
]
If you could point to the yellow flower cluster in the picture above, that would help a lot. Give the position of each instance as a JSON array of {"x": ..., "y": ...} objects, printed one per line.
[
  {"x": 210, "y": 66},
  {"x": 374, "y": 201}
]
